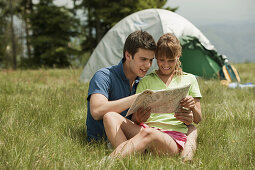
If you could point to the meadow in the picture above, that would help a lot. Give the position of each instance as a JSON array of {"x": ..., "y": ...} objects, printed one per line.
[{"x": 43, "y": 114}]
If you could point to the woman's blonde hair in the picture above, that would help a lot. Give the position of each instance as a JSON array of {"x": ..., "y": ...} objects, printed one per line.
[{"x": 169, "y": 46}]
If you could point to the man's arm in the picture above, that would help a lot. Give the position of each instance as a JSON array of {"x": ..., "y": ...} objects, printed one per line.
[{"x": 99, "y": 105}]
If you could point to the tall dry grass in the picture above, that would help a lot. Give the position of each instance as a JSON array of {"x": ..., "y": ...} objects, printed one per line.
[{"x": 43, "y": 113}]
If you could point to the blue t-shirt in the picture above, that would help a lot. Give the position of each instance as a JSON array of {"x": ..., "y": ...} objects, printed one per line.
[{"x": 113, "y": 84}]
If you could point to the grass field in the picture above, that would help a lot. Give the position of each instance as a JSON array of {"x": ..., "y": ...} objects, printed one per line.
[{"x": 43, "y": 113}]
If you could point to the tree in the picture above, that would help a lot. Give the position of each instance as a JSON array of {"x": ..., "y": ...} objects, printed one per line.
[
  {"x": 103, "y": 14},
  {"x": 8, "y": 11},
  {"x": 26, "y": 8},
  {"x": 13, "y": 35},
  {"x": 52, "y": 28},
  {"x": 3, "y": 22}
]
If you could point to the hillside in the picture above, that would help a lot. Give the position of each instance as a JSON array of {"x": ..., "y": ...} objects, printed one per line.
[{"x": 236, "y": 41}]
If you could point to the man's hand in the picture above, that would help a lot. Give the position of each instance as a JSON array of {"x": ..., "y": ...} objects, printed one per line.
[{"x": 142, "y": 115}]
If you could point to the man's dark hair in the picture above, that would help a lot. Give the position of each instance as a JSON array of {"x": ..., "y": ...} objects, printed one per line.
[{"x": 138, "y": 39}]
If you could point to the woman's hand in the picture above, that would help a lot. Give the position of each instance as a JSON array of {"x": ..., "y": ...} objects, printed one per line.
[
  {"x": 189, "y": 110},
  {"x": 188, "y": 102},
  {"x": 184, "y": 115},
  {"x": 184, "y": 112}
]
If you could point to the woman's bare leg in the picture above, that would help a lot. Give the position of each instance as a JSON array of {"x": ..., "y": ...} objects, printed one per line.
[
  {"x": 155, "y": 140},
  {"x": 119, "y": 129},
  {"x": 191, "y": 144}
]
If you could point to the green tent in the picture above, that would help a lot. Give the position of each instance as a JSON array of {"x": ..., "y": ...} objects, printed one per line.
[{"x": 197, "y": 60}]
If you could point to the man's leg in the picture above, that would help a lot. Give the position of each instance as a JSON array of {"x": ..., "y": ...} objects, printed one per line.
[
  {"x": 118, "y": 128},
  {"x": 191, "y": 144},
  {"x": 147, "y": 138}
]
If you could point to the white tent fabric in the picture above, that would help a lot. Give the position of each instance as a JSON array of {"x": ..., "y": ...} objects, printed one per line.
[{"x": 157, "y": 22}]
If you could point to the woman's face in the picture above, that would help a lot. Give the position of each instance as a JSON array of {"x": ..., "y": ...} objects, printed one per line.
[{"x": 166, "y": 65}]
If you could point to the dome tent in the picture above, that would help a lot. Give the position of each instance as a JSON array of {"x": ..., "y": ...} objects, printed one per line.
[{"x": 199, "y": 56}]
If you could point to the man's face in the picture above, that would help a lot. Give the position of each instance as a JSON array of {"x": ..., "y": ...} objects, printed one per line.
[{"x": 141, "y": 62}]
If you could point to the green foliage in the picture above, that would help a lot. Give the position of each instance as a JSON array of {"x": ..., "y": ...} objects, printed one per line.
[
  {"x": 43, "y": 114},
  {"x": 3, "y": 22},
  {"x": 9, "y": 10},
  {"x": 3, "y": 29},
  {"x": 52, "y": 28},
  {"x": 45, "y": 37},
  {"x": 104, "y": 14}
]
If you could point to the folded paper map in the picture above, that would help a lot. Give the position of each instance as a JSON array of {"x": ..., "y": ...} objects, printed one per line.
[{"x": 160, "y": 101}]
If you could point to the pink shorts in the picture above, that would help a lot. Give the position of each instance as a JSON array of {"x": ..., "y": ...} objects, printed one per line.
[{"x": 179, "y": 137}]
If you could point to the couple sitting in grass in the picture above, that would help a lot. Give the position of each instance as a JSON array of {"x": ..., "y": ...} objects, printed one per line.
[{"x": 111, "y": 93}]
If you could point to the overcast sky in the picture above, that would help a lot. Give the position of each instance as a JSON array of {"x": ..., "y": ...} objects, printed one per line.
[{"x": 201, "y": 12}]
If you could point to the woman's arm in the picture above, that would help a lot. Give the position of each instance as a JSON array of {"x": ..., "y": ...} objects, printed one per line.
[{"x": 197, "y": 114}]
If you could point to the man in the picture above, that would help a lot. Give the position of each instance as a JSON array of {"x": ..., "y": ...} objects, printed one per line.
[{"x": 111, "y": 89}]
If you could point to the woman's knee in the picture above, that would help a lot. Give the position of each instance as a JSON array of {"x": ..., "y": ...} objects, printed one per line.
[
  {"x": 148, "y": 134},
  {"x": 191, "y": 127},
  {"x": 111, "y": 118},
  {"x": 192, "y": 130}
]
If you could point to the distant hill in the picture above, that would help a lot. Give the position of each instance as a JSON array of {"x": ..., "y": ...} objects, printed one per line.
[{"x": 236, "y": 41}]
